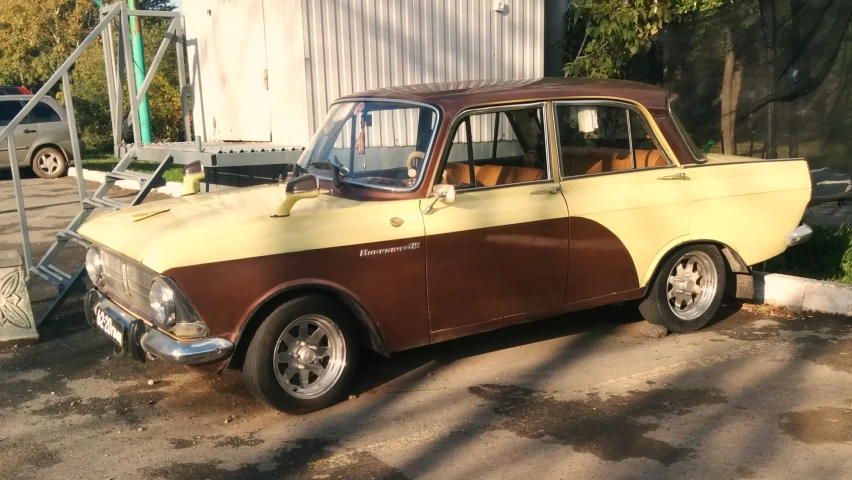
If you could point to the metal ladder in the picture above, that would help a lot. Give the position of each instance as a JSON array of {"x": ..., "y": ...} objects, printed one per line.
[{"x": 64, "y": 281}]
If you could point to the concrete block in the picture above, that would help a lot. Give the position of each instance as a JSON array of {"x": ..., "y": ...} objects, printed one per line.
[
  {"x": 17, "y": 324},
  {"x": 779, "y": 290},
  {"x": 827, "y": 297},
  {"x": 803, "y": 294}
]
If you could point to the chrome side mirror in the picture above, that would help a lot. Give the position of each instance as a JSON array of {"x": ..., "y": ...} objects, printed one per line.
[{"x": 444, "y": 192}]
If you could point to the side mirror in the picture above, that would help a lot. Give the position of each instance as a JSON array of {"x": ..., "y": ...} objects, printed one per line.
[
  {"x": 192, "y": 172},
  {"x": 441, "y": 191},
  {"x": 304, "y": 186}
]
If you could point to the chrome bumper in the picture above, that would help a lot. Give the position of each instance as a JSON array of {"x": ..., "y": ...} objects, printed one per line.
[
  {"x": 800, "y": 235},
  {"x": 156, "y": 343}
]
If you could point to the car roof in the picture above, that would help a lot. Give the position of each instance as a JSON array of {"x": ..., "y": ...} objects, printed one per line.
[
  {"x": 460, "y": 95},
  {"x": 25, "y": 98}
]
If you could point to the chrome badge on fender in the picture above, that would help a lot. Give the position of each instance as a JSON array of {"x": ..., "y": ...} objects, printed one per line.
[{"x": 384, "y": 251}]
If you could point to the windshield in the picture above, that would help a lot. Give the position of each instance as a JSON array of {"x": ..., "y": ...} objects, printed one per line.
[
  {"x": 379, "y": 144},
  {"x": 693, "y": 148}
]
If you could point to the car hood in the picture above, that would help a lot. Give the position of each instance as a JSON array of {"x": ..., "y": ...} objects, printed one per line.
[{"x": 236, "y": 224}]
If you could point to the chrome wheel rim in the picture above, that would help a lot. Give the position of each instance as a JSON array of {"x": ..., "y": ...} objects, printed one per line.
[
  {"x": 49, "y": 163},
  {"x": 310, "y": 356},
  {"x": 692, "y": 285}
]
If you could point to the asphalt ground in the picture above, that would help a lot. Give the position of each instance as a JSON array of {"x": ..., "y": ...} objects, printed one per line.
[{"x": 759, "y": 394}]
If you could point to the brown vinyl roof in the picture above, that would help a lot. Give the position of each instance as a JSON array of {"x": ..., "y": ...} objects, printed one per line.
[{"x": 454, "y": 96}]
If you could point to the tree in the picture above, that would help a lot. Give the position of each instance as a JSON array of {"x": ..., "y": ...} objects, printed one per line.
[
  {"x": 37, "y": 36},
  {"x": 605, "y": 34},
  {"x": 767, "y": 16}
]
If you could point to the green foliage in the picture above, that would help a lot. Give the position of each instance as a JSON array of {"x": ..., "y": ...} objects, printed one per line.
[
  {"x": 88, "y": 84},
  {"x": 605, "y": 34},
  {"x": 826, "y": 256},
  {"x": 102, "y": 162},
  {"x": 37, "y": 36}
]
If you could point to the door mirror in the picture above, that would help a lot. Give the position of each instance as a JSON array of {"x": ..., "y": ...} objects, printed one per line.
[
  {"x": 192, "y": 173},
  {"x": 303, "y": 186},
  {"x": 444, "y": 192},
  {"x": 447, "y": 192}
]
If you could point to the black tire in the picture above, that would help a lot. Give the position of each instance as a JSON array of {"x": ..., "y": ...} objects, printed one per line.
[
  {"x": 695, "y": 310},
  {"x": 261, "y": 374},
  {"x": 49, "y": 162}
]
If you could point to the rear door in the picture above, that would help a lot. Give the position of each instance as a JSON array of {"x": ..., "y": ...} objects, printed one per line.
[{"x": 627, "y": 200}]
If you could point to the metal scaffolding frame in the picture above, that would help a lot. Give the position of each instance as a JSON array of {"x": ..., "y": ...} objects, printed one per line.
[{"x": 113, "y": 27}]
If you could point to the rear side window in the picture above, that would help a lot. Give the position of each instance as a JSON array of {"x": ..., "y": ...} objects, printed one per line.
[
  {"x": 8, "y": 110},
  {"x": 44, "y": 113}
]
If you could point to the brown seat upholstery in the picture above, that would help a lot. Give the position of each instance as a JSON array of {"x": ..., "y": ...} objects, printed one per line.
[
  {"x": 586, "y": 160},
  {"x": 490, "y": 175},
  {"x": 458, "y": 173}
]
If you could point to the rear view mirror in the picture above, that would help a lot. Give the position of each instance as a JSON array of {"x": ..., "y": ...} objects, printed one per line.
[
  {"x": 302, "y": 183},
  {"x": 442, "y": 191},
  {"x": 304, "y": 186}
]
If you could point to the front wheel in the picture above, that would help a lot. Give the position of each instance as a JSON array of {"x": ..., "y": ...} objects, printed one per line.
[
  {"x": 303, "y": 356},
  {"x": 688, "y": 290}
]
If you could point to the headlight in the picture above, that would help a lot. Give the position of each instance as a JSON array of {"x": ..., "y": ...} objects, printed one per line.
[
  {"x": 94, "y": 265},
  {"x": 162, "y": 299}
]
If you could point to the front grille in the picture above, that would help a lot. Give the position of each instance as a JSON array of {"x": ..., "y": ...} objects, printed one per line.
[{"x": 127, "y": 281}]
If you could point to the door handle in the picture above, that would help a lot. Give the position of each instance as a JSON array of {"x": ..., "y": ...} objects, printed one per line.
[
  {"x": 30, "y": 130},
  {"x": 551, "y": 190},
  {"x": 676, "y": 176}
]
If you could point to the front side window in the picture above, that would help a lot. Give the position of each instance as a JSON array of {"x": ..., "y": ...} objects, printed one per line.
[
  {"x": 604, "y": 138},
  {"x": 381, "y": 144},
  {"x": 497, "y": 147}
]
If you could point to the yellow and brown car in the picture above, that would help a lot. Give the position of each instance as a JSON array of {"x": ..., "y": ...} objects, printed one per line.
[{"x": 424, "y": 213}]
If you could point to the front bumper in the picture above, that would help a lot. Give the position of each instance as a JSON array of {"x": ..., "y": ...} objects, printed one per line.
[
  {"x": 141, "y": 338},
  {"x": 800, "y": 235}
]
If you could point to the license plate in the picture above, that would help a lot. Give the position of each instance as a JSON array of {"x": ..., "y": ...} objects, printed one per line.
[{"x": 111, "y": 327}]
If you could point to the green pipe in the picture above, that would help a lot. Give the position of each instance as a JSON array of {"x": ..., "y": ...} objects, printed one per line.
[{"x": 139, "y": 72}]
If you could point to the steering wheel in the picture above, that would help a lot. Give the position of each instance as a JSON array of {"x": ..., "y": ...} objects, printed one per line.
[
  {"x": 409, "y": 162},
  {"x": 387, "y": 182}
]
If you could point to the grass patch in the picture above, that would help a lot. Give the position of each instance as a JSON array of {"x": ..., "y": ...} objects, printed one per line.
[
  {"x": 826, "y": 256},
  {"x": 105, "y": 162}
]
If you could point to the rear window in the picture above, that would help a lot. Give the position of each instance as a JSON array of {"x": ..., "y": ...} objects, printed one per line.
[
  {"x": 8, "y": 110},
  {"x": 44, "y": 113}
]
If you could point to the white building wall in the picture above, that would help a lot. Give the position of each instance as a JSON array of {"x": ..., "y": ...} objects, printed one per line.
[{"x": 318, "y": 50}]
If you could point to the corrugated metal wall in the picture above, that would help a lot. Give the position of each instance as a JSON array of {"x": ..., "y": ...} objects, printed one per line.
[{"x": 319, "y": 50}]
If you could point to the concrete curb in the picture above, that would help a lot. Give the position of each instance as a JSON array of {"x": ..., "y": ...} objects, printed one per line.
[
  {"x": 802, "y": 294},
  {"x": 172, "y": 189}
]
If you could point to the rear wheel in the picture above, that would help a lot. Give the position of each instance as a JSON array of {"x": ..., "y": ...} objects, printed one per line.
[
  {"x": 688, "y": 290},
  {"x": 303, "y": 356},
  {"x": 49, "y": 162}
]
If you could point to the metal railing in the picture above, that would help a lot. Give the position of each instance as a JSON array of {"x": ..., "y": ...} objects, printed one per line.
[{"x": 115, "y": 70}]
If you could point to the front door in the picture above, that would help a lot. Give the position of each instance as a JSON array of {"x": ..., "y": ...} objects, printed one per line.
[
  {"x": 627, "y": 200},
  {"x": 501, "y": 248}
]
